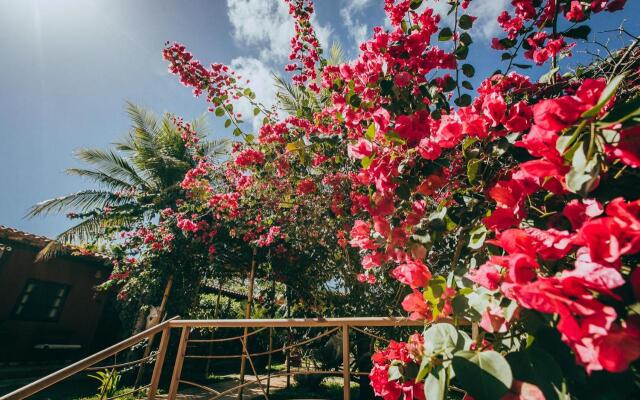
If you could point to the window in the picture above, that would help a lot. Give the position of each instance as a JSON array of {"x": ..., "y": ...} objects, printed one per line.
[{"x": 41, "y": 301}]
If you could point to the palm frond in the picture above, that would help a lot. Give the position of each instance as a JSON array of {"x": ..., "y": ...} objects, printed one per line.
[
  {"x": 52, "y": 250},
  {"x": 145, "y": 123},
  {"x": 85, "y": 200},
  {"x": 102, "y": 178},
  {"x": 215, "y": 149},
  {"x": 336, "y": 54},
  {"x": 111, "y": 163}
]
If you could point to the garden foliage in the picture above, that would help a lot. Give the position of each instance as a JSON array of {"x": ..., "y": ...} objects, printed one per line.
[{"x": 513, "y": 208}]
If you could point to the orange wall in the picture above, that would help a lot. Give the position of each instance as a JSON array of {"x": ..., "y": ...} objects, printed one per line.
[{"x": 80, "y": 315}]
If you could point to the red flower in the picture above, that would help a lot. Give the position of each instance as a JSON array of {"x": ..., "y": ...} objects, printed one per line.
[
  {"x": 402, "y": 78},
  {"x": 493, "y": 320},
  {"x": 306, "y": 186},
  {"x": 362, "y": 149},
  {"x": 494, "y": 108},
  {"x": 627, "y": 149},
  {"x": 575, "y": 12},
  {"x": 414, "y": 273},
  {"x": 249, "y": 157},
  {"x": 360, "y": 236},
  {"x": 414, "y": 303},
  {"x": 557, "y": 114},
  {"x": 580, "y": 211},
  {"x": 488, "y": 276},
  {"x": 620, "y": 347},
  {"x": 519, "y": 117}
]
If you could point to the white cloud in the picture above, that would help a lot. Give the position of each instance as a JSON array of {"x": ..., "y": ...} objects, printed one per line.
[
  {"x": 268, "y": 25},
  {"x": 349, "y": 13},
  {"x": 487, "y": 12},
  {"x": 260, "y": 78},
  {"x": 486, "y": 26}
]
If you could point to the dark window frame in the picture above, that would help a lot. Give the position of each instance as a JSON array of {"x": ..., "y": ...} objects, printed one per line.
[{"x": 44, "y": 317}]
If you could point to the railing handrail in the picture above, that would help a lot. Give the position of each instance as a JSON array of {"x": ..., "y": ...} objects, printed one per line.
[
  {"x": 186, "y": 325},
  {"x": 52, "y": 379},
  {"x": 297, "y": 322}
]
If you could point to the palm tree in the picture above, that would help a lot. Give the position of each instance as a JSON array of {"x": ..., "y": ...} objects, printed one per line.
[
  {"x": 135, "y": 179},
  {"x": 299, "y": 100}
]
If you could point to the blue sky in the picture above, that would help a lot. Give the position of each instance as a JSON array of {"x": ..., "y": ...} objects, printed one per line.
[{"x": 69, "y": 66}]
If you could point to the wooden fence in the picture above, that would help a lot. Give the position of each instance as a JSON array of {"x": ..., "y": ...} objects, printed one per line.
[{"x": 150, "y": 390}]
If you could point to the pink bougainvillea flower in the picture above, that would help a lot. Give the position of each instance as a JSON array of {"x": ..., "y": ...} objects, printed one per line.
[
  {"x": 415, "y": 304},
  {"x": 413, "y": 273},
  {"x": 580, "y": 211}
]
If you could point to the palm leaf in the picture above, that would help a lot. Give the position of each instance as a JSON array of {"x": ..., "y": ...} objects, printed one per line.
[
  {"x": 102, "y": 178},
  {"x": 111, "y": 163},
  {"x": 85, "y": 200}
]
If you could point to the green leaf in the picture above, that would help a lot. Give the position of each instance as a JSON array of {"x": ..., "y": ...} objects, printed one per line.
[
  {"x": 371, "y": 132},
  {"x": 441, "y": 338},
  {"x": 472, "y": 169},
  {"x": 546, "y": 78},
  {"x": 394, "y": 373},
  {"x": 415, "y": 4},
  {"x": 466, "y": 22},
  {"x": 506, "y": 56},
  {"x": 580, "y": 32},
  {"x": 465, "y": 38},
  {"x": 449, "y": 84},
  {"x": 435, "y": 386},
  {"x": 237, "y": 132},
  {"x": 386, "y": 87},
  {"x": 219, "y": 112},
  {"x": 467, "y": 85},
  {"x": 355, "y": 101},
  {"x": 463, "y": 100},
  {"x": 425, "y": 367},
  {"x": 256, "y": 111},
  {"x": 249, "y": 138},
  {"x": 365, "y": 162},
  {"x": 606, "y": 95},
  {"x": 584, "y": 173},
  {"x": 484, "y": 375},
  {"x": 536, "y": 366},
  {"x": 468, "y": 70},
  {"x": 623, "y": 112},
  {"x": 445, "y": 34},
  {"x": 508, "y": 43},
  {"x": 477, "y": 237},
  {"x": 227, "y": 123},
  {"x": 461, "y": 52},
  {"x": 523, "y": 66}
]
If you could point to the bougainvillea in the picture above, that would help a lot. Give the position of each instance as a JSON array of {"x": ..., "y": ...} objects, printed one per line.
[{"x": 513, "y": 217}]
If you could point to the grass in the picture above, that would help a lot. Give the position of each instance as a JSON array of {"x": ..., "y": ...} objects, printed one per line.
[
  {"x": 331, "y": 388},
  {"x": 118, "y": 392}
]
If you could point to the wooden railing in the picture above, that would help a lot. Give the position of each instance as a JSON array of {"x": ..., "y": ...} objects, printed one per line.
[
  {"x": 186, "y": 326},
  {"x": 86, "y": 363}
]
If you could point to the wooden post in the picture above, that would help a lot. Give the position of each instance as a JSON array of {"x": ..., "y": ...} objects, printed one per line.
[
  {"x": 269, "y": 360},
  {"x": 216, "y": 311},
  {"x": 156, "y": 321},
  {"x": 247, "y": 315},
  {"x": 157, "y": 369},
  {"x": 287, "y": 354},
  {"x": 177, "y": 368},
  {"x": 346, "y": 370}
]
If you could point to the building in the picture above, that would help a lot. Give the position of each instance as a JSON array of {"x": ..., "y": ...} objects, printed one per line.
[{"x": 50, "y": 312}]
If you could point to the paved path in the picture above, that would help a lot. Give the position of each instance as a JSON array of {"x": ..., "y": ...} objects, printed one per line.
[{"x": 250, "y": 392}]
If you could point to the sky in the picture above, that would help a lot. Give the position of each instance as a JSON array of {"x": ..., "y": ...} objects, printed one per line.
[{"x": 68, "y": 67}]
